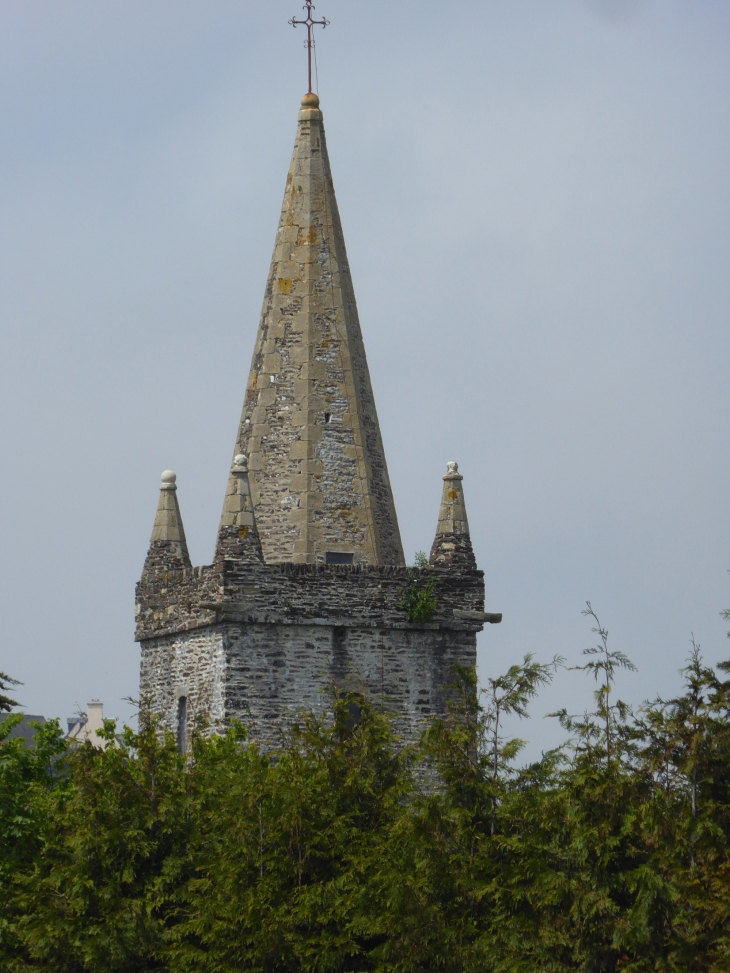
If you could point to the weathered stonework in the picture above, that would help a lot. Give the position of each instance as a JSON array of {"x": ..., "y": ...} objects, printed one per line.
[
  {"x": 168, "y": 547},
  {"x": 307, "y": 584},
  {"x": 309, "y": 427},
  {"x": 259, "y": 642},
  {"x": 452, "y": 543}
]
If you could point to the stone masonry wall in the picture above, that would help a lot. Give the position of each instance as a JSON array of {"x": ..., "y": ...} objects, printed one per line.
[
  {"x": 259, "y": 642},
  {"x": 190, "y": 664},
  {"x": 275, "y": 672},
  {"x": 265, "y": 675},
  {"x": 296, "y": 593}
]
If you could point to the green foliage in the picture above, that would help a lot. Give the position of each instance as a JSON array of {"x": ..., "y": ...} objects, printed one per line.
[
  {"x": 341, "y": 851},
  {"x": 6, "y": 703},
  {"x": 27, "y": 775},
  {"x": 607, "y": 726},
  {"x": 283, "y": 847},
  {"x": 507, "y": 695},
  {"x": 687, "y": 749},
  {"x": 114, "y": 846},
  {"x": 418, "y": 596},
  {"x": 420, "y": 559}
]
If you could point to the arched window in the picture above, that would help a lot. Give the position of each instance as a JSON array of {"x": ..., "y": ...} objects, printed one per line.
[{"x": 182, "y": 724}]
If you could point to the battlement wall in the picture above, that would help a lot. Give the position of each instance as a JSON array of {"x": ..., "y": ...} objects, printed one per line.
[{"x": 291, "y": 594}]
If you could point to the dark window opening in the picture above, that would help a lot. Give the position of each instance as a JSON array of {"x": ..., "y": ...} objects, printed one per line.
[
  {"x": 327, "y": 416},
  {"x": 335, "y": 557},
  {"x": 354, "y": 709},
  {"x": 354, "y": 713},
  {"x": 182, "y": 724}
]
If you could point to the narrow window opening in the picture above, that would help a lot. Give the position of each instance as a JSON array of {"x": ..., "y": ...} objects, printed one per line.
[
  {"x": 354, "y": 708},
  {"x": 336, "y": 557},
  {"x": 327, "y": 416},
  {"x": 182, "y": 724},
  {"x": 355, "y": 714}
]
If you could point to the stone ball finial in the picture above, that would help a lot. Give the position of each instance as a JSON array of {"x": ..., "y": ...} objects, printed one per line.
[
  {"x": 452, "y": 467},
  {"x": 310, "y": 100},
  {"x": 240, "y": 461},
  {"x": 168, "y": 479}
]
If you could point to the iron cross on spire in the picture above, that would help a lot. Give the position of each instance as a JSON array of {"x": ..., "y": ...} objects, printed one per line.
[{"x": 309, "y": 24}]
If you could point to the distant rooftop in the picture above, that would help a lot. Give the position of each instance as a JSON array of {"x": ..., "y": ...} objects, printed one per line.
[{"x": 24, "y": 730}]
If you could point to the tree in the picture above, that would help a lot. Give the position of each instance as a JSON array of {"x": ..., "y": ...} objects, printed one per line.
[
  {"x": 608, "y": 727},
  {"x": 686, "y": 747},
  {"x": 114, "y": 844},
  {"x": 6, "y": 703},
  {"x": 285, "y": 846},
  {"x": 340, "y": 851},
  {"x": 28, "y": 773}
]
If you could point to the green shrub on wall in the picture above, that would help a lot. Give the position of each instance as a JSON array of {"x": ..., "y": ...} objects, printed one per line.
[{"x": 418, "y": 596}]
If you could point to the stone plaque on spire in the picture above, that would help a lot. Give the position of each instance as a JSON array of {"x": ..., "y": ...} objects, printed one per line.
[{"x": 309, "y": 427}]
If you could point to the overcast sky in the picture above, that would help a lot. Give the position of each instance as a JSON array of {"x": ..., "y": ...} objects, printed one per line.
[{"x": 535, "y": 199}]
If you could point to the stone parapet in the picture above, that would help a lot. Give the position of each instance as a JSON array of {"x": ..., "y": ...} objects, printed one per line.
[{"x": 304, "y": 594}]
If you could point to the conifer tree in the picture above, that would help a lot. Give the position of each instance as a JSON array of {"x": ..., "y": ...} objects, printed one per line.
[
  {"x": 340, "y": 851},
  {"x": 6, "y": 703},
  {"x": 28, "y": 773},
  {"x": 115, "y": 841}
]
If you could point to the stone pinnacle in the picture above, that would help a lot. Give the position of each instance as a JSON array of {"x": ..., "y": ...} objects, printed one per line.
[
  {"x": 238, "y": 538},
  {"x": 168, "y": 549},
  {"x": 452, "y": 544}
]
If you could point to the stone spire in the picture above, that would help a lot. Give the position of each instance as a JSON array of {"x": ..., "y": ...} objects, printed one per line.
[
  {"x": 309, "y": 427},
  {"x": 452, "y": 544},
  {"x": 238, "y": 537},
  {"x": 168, "y": 547}
]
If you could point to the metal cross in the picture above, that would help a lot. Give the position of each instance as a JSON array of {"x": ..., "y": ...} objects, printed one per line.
[{"x": 309, "y": 23}]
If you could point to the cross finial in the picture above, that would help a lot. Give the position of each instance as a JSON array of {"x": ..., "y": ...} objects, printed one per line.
[{"x": 309, "y": 23}]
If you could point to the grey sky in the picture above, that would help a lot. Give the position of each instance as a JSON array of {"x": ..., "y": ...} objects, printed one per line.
[{"x": 536, "y": 206}]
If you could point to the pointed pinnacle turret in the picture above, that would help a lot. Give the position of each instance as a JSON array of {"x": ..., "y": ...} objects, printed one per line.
[
  {"x": 452, "y": 544},
  {"x": 309, "y": 427},
  {"x": 238, "y": 538},
  {"x": 168, "y": 548}
]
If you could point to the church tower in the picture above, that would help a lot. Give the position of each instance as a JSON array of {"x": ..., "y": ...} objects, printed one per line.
[{"x": 308, "y": 584}]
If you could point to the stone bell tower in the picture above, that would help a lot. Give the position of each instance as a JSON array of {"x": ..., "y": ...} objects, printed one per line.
[{"x": 308, "y": 584}]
